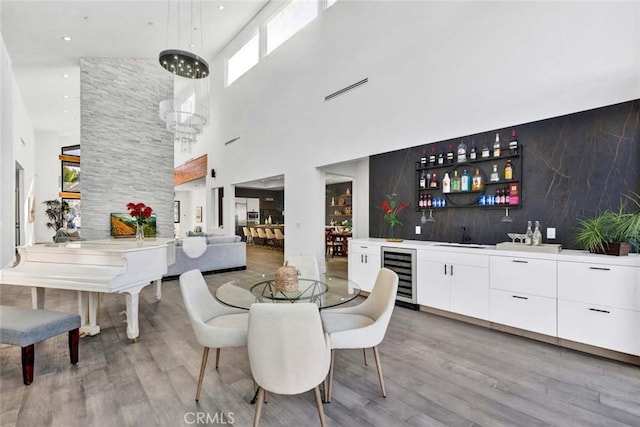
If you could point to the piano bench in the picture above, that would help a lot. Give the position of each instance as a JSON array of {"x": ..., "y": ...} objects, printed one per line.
[{"x": 25, "y": 326}]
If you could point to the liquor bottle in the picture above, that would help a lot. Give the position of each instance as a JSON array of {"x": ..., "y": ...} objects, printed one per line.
[
  {"x": 513, "y": 143},
  {"x": 495, "y": 176},
  {"x": 450, "y": 154},
  {"x": 514, "y": 197},
  {"x": 423, "y": 159},
  {"x": 508, "y": 170},
  {"x": 432, "y": 157},
  {"x": 465, "y": 181},
  {"x": 440, "y": 158},
  {"x": 485, "y": 151},
  {"x": 423, "y": 179},
  {"x": 537, "y": 235},
  {"x": 429, "y": 201},
  {"x": 446, "y": 183},
  {"x": 476, "y": 181},
  {"x": 455, "y": 182},
  {"x": 462, "y": 152},
  {"x": 507, "y": 197},
  {"x": 503, "y": 196},
  {"x": 528, "y": 237},
  {"x": 496, "y": 146},
  {"x": 434, "y": 181},
  {"x": 496, "y": 198},
  {"x": 473, "y": 155}
]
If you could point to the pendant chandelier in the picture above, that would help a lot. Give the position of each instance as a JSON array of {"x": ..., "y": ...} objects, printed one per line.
[{"x": 186, "y": 109}]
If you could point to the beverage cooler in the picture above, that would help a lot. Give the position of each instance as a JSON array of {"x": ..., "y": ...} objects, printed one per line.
[{"x": 403, "y": 263}]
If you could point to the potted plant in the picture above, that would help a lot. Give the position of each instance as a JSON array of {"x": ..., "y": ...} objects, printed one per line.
[
  {"x": 56, "y": 212},
  {"x": 612, "y": 233}
]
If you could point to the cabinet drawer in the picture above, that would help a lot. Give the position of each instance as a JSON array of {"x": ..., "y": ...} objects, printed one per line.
[
  {"x": 526, "y": 275},
  {"x": 454, "y": 257},
  {"x": 607, "y": 285},
  {"x": 533, "y": 313},
  {"x": 612, "y": 328}
]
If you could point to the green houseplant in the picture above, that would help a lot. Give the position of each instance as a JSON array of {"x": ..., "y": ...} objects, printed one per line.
[{"x": 612, "y": 233}]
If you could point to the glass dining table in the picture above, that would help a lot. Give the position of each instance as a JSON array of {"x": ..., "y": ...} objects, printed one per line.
[{"x": 326, "y": 291}]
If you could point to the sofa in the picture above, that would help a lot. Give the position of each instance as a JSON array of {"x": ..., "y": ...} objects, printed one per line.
[{"x": 223, "y": 253}]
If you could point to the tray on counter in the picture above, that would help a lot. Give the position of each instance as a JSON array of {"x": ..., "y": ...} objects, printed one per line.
[{"x": 545, "y": 248}]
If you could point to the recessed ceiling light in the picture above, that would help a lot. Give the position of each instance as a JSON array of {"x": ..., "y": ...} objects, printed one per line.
[
  {"x": 192, "y": 45},
  {"x": 66, "y": 38},
  {"x": 65, "y": 75},
  {"x": 220, "y": 7},
  {"x": 66, "y": 124},
  {"x": 65, "y": 111},
  {"x": 65, "y": 96}
]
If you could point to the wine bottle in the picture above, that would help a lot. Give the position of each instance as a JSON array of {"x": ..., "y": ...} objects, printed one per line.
[
  {"x": 485, "y": 151},
  {"x": 455, "y": 183},
  {"x": 446, "y": 183},
  {"x": 462, "y": 152},
  {"x": 440, "y": 158},
  {"x": 536, "y": 239},
  {"x": 473, "y": 155},
  {"x": 528, "y": 237},
  {"x": 465, "y": 181},
  {"x": 450, "y": 154},
  {"x": 429, "y": 201},
  {"x": 423, "y": 159},
  {"x": 476, "y": 182},
  {"x": 432, "y": 157},
  {"x": 434, "y": 181},
  {"x": 513, "y": 143},
  {"x": 496, "y": 146},
  {"x": 423, "y": 179},
  {"x": 507, "y": 197},
  {"x": 508, "y": 170},
  {"x": 495, "y": 176}
]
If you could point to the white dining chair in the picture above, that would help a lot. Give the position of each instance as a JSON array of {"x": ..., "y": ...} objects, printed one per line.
[
  {"x": 288, "y": 351},
  {"x": 307, "y": 266},
  {"x": 215, "y": 325},
  {"x": 364, "y": 325}
]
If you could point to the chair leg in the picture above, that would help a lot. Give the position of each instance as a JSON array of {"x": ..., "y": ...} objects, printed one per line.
[
  {"x": 205, "y": 355},
  {"x": 329, "y": 393},
  {"x": 217, "y": 357},
  {"x": 28, "y": 354},
  {"x": 316, "y": 392},
  {"x": 364, "y": 351},
  {"x": 256, "y": 418},
  {"x": 377, "y": 357},
  {"x": 74, "y": 341}
]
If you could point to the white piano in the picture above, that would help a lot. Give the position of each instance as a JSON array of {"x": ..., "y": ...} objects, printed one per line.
[{"x": 94, "y": 266}]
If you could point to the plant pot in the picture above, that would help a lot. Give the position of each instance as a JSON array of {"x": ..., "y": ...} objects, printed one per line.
[{"x": 615, "y": 248}]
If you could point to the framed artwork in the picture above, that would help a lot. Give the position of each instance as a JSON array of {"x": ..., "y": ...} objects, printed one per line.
[
  {"x": 198, "y": 213},
  {"x": 176, "y": 211}
]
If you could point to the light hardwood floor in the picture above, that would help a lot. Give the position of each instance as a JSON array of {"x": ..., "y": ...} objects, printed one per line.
[{"x": 437, "y": 372}]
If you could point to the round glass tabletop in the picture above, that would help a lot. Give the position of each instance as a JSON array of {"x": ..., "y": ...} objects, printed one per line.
[{"x": 327, "y": 291}]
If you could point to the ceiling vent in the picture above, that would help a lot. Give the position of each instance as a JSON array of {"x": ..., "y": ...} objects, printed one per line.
[{"x": 346, "y": 89}]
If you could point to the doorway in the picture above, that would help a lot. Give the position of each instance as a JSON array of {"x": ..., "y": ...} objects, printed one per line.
[{"x": 19, "y": 185}]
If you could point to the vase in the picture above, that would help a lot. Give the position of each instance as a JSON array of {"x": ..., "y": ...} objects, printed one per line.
[
  {"x": 393, "y": 238},
  {"x": 139, "y": 231}
]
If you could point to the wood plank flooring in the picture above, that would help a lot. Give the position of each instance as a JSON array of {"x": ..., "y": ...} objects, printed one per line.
[{"x": 438, "y": 372}]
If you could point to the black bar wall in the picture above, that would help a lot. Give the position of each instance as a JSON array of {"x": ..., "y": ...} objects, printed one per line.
[{"x": 573, "y": 167}]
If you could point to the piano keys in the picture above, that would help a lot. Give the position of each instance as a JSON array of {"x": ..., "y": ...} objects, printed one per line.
[{"x": 90, "y": 267}]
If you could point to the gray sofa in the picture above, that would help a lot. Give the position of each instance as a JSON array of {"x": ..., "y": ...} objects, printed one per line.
[{"x": 223, "y": 253}]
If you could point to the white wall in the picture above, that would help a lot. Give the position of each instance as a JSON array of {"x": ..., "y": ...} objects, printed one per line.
[
  {"x": 436, "y": 70},
  {"x": 7, "y": 165},
  {"x": 189, "y": 200}
]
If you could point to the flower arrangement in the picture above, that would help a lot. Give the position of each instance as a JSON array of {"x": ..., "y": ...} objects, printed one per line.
[
  {"x": 141, "y": 213},
  {"x": 391, "y": 208}
]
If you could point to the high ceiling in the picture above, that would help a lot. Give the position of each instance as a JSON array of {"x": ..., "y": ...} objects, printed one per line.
[{"x": 46, "y": 67}]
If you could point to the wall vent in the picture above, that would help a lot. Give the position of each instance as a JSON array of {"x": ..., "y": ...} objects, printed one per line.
[
  {"x": 346, "y": 89},
  {"x": 232, "y": 140}
]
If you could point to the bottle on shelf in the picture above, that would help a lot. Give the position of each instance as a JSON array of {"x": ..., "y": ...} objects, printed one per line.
[
  {"x": 473, "y": 154},
  {"x": 462, "y": 152},
  {"x": 422, "y": 201},
  {"x": 508, "y": 171},
  {"x": 429, "y": 201},
  {"x": 528, "y": 237},
  {"x": 496, "y": 146},
  {"x": 432, "y": 157},
  {"x": 450, "y": 154},
  {"x": 423, "y": 159},
  {"x": 476, "y": 182},
  {"x": 423, "y": 179},
  {"x": 434, "y": 181},
  {"x": 495, "y": 176},
  {"x": 465, "y": 181},
  {"x": 496, "y": 198},
  {"x": 514, "y": 197},
  {"x": 440, "y": 158},
  {"x": 485, "y": 151},
  {"x": 446, "y": 183},
  {"x": 513, "y": 143},
  {"x": 536, "y": 239},
  {"x": 455, "y": 183},
  {"x": 507, "y": 197}
]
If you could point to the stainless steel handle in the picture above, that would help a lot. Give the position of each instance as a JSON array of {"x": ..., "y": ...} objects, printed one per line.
[
  {"x": 451, "y": 269},
  {"x": 520, "y": 261},
  {"x": 599, "y": 311},
  {"x": 366, "y": 259},
  {"x": 445, "y": 269},
  {"x": 364, "y": 247},
  {"x": 361, "y": 259},
  {"x": 600, "y": 268},
  {"x": 519, "y": 297}
]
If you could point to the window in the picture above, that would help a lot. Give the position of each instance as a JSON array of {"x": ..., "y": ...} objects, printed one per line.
[
  {"x": 292, "y": 18},
  {"x": 245, "y": 58}
]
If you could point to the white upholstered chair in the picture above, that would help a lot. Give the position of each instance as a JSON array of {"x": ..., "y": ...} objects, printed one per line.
[
  {"x": 288, "y": 351},
  {"x": 262, "y": 235},
  {"x": 254, "y": 234},
  {"x": 214, "y": 324},
  {"x": 306, "y": 265},
  {"x": 364, "y": 325},
  {"x": 271, "y": 238},
  {"x": 279, "y": 237}
]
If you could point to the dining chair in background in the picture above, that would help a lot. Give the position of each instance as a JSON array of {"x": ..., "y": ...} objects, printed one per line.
[
  {"x": 254, "y": 234},
  {"x": 262, "y": 235},
  {"x": 247, "y": 234},
  {"x": 363, "y": 325},
  {"x": 288, "y": 351},
  {"x": 215, "y": 325},
  {"x": 271, "y": 238},
  {"x": 307, "y": 266},
  {"x": 279, "y": 237}
]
